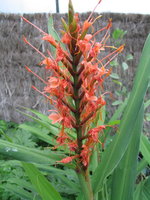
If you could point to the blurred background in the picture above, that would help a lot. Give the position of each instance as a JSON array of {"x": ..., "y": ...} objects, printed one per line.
[{"x": 36, "y": 6}]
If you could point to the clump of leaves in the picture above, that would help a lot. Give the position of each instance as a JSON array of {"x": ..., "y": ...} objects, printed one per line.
[
  {"x": 14, "y": 184},
  {"x": 11, "y": 132}
]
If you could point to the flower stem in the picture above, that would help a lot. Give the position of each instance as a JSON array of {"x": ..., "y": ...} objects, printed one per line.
[{"x": 85, "y": 183}]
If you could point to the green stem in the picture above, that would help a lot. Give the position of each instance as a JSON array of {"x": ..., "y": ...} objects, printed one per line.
[{"x": 85, "y": 185}]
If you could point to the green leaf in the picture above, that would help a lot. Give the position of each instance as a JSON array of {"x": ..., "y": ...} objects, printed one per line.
[
  {"x": 147, "y": 116},
  {"x": 116, "y": 103},
  {"x": 114, "y": 63},
  {"x": 146, "y": 104},
  {"x": 141, "y": 165},
  {"x": 22, "y": 153},
  {"x": 65, "y": 25},
  {"x": 118, "y": 34},
  {"x": 125, "y": 66},
  {"x": 41, "y": 184},
  {"x": 41, "y": 135},
  {"x": 116, "y": 116},
  {"x": 115, "y": 122},
  {"x": 114, "y": 76},
  {"x": 119, "y": 111},
  {"x": 117, "y": 82},
  {"x": 129, "y": 57},
  {"x": 124, "y": 176},
  {"x": 18, "y": 191},
  {"x": 6, "y": 136},
  {"x": 115, "y": 151},
  {"x": 53, "y": 33},
  {"x": 3, "y": 125},
  {"x": 66, "y": 177},
  {"x": 145, "y": 148},
  {"x": 51, "y": 29},
  {"x": 45, "y": 122},
  {"x": 142, "y": 191}
]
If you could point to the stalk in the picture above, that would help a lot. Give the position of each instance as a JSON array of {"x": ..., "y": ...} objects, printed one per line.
[
  {"x": 82, "y": 171},
  {"x": 85, "y": 186}
]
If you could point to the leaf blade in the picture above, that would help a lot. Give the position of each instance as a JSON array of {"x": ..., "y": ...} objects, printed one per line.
[
  {"x": 42, "y": 185},
  {"x": 123, "y": 180},
  {"x": 112, "y": 156}
]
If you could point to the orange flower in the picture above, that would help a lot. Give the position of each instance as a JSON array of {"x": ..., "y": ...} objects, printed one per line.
[
  {"x": 96, "y": 49},
  {"x": 50, "y": 39},
  {"x": 62, "y": 137},
  {"x": 73, "y": 146},
  {"x": 86, "y": 25},
  {"x": 66, "y": 39},
  {"x": 85, "y": 155},
  {"x": 67, "y": 159},
  {"x": 84, "y": 46},
  {"x": 55, "y": 117},
  {"x": 94, "y": 132}
]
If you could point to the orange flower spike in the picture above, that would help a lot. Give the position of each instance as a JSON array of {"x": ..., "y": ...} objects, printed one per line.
[{"x": 73, "y": 86}]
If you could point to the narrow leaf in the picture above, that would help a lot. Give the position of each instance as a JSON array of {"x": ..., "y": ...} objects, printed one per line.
[
  {"x": 18, "y": 191},
  {"x": 44, "y": 137},
  {"x": 22, "y": 153},
  {"x": 124, "y": 176},
  {"x": 52, "y": 128},
  {"x": 141, "y": 165},
  {"x": 116, "y": 103},
  {"x": 142, "y": 191},
  {"x": 117, "y": 148},
  {"x": 51, "y": 29},
  {"x": 41, "y": 184},
  {"x": 145, "y": 148}
]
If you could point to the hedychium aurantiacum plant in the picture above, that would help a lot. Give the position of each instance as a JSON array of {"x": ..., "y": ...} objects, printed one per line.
[{"x": 75, "y": 88}]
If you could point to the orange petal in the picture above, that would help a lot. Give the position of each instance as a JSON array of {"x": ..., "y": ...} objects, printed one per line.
[{"x": 55, "y": 118}]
